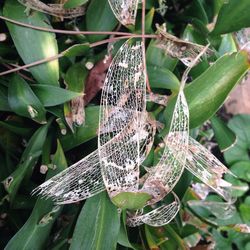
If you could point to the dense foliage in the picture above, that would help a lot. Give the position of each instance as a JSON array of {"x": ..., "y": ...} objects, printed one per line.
[{"x": 45, "y": 127}]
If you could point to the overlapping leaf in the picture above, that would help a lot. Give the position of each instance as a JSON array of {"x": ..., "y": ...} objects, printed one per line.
[
  {"x": 205, "y": 166},
  {"x": 157, "y": 217},
  {"x": 123, "y": 115},
  {"x": 185, "y": 51},
  {"x": 163, "y": 177},
  {"x": 124, "y": 10},
  {"x": 84, "y": 179}
]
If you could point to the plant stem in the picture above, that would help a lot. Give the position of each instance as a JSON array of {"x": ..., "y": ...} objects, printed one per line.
[
  {"x": 52, "y": 58},
  {"x": 144, "y": 43},
  {"x": 69, "y": 32}
]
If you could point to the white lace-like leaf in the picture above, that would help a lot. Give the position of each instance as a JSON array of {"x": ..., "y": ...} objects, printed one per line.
[
  {"x": 167, "y": 172},
  {"x": 117, "y": 135},
  {"x": 84, "y": 179},
  {"x": 78, "y": 182},
  {"x": 124, "y": 10},
  {"x": 157, "y": 217},
  {"x": 222, "y": 210},
  {"x": 57, "y": 10},
  {"x": 185, "y": 51},
  {"x": 205, "y": 166},
  {"x": 123, "y": 114}
]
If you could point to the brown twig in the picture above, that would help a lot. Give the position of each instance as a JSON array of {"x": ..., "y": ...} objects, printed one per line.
[
  {"x": 52, "y": 58},
  {"x": 68, "y": 32},
  {"x": 22, "y": 75},
  {"x": 144, "y": 43}
]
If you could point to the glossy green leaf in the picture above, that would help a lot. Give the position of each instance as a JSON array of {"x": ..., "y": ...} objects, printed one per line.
[
  {"x": 37, "y": 228},
  {"x": 240, "y": 124},
  {"x": 23, "y": 101},
  {"x": 157, "y": 57},
  {"x": 97, "y": 226},
  {"x": 233, "y": 16},
  {"x": 52, "y": 96},
  {"x": 149, "y": 21},
  {"x": 224, "y": 136},
  {"x": 162, "y": 78},
  {"x": 85, "y": 133},
  {"x": 33, "y": 45},
  {"x": 242, "y": 170},
  {"x": 27, "y": 162},
  {"x": 99, "y": 17},
  {"x": 193, "y": 35},
  {"x": 76, "y": 50},
  {"x": 75, "y": 77},
  {"x": 208, "y": 92},
  {"x": 74, "y": 3}
]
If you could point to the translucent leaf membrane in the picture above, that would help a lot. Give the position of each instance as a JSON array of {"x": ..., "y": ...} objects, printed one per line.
[
  {"x": 53, "y": 9},
  {"x": 124, "y": 10},
  {"x": 163, "y": 177},
  {"x": 205, "y": 166},
  {"x": 221, "y": 210},
  {"x": 78, "y": 182},
  {"x": 185, "y": 51},
  {"x": 123, "y": 113},
  {"x": 157, "y": 217},
  {"x": 84, "y": 179},
  {"x": 243, "y": 38}
]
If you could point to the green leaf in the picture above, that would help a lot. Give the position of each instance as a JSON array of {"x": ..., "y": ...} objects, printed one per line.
[
  {"x": 17, "y": 128},
  {"x": 74, "y": 3},
  {"x": 77, "y": 50},
  {"x": 52, "y": 96},
  {"x": 245, "y": 210},
  {"x": 193, "y": 35},
  {"x": 37, "y": 228},
  {"x": 27, "y": 162},
  {"x": 123, "y": 234},
  {"x": 240, "y": 124},
  {"x": 162, "y": 78},
  {"x": 97, "y": 226},
  {"x": 157, "y": 57},
  {"x": 242, "y": 170},
  {"x": 149, "y": 21},
  {"x": 224, "y": 136},
  {"x": 227, "y": 45},
  {"x": 131, "y": 200},
  {"x": 239, "y": 188},
  {"x": 237, "y": 238},
  {"x": 84, "y": 133},
  {"x": 23, "y": 101},
  {"x": 33, "y": 45},
  {"x": 233, "y": 16},
  {"x": 99, "y": 17},
  {"x": 208, "y": 92},
  {"x": 75, "y": 77},
  {"x": 196, "y": 10}
]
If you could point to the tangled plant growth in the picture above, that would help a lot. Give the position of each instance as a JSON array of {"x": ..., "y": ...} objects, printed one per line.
[{"x": 144, "y": 142}]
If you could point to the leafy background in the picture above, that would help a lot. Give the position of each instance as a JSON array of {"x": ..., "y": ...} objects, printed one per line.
[{"x": 37, "y": 129}]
